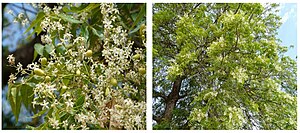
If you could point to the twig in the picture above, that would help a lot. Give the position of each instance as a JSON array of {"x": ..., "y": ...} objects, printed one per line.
[
  {"x": 25, "y": 9},
  {"x": 25, "y": 12}
]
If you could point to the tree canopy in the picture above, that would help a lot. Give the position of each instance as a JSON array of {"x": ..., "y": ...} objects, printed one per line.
[{"x": 220, "y": 66}]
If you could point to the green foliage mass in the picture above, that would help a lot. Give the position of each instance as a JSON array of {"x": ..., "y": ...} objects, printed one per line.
[{"x": 237, "y": 76}]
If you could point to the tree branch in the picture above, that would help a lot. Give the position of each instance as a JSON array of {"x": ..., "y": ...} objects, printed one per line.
[
  {"x": 25, "y": 12},
  {"x": 197, "y": 5},
  {"x": 157, "y": 118},
  {"x": 240, "y": 5},
  {"x": 159, "y": 94},
  {"x": 25, "y": 9}
]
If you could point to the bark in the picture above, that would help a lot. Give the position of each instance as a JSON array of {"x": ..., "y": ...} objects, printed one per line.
[
  {"x": 172, "y": 99},
  {"x": 24, "y": 55}
]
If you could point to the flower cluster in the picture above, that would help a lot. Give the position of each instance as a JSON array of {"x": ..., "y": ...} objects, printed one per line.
[{"x": 81, "y": 90}]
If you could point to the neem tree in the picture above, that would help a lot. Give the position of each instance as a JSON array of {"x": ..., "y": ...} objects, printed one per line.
[
  {"x": 220, "y": 66},
  {"x": 91, "y": 74}
]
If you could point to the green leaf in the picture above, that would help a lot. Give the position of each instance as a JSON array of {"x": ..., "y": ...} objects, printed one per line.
[
  {"x": 39, "y": 48},
  {"x": 85, "y": 32},
  {"x": 139, "y": 17},
  {"x": 30, "y": 127},
  {"x": 40, "y": 16},
  {"x": 15, "y": 98},
  {"x": 38, "y": 29},
  {"x": 136, "y": 28},
  {"x": 29, "y": 36},
  {"x": 35, "y": 54},
  {"x": 97, "y": 33},
  {"x": 90, "y": 7},
  {"x": 39, "y": 113},
  {"x": 37, "y": 79},
  {"x": 61, "y": 49},
  {"x": 80, "y": 101},
  {"x": 27, "y": 95},
  {"x": 49, "y": 48},
  {"x": 69, "y": 18},
  {"x": 42, "y": 126},
  {"x": 11, "y": 98},
  {"x": 66, "y": 81},
  {"x": 129, "y": 6},
  {"x": 31, "y": 84},
  {"x": 66, "y": 9}
]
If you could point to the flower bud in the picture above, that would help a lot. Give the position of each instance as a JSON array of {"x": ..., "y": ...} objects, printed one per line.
[
  {"x": 113, "y": 82},
  {"x": 39, "y": 72},
  {"x": 47, "y": 79},
  {"x": 136, "y": 56},
  {"x": 78, "y": 72},
  {"x": 106, "y": 91},
  {"x": 89, "y": 53},
  {"x": 142, "y": 70},
  {"x": 44, "y": 61}
]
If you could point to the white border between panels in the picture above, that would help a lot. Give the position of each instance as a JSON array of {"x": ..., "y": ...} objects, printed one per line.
[{"x": 149, "y": 66}]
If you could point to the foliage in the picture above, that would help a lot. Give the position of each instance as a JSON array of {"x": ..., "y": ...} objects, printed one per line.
[
  {"x": 236, "y": 75},
  {"x": 85, "y": 47}
]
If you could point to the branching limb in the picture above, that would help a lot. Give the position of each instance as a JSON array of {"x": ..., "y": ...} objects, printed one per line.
[{"x": 159, "y": 94}]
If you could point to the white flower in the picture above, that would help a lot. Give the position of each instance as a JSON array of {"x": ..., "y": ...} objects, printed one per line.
[
  {"x": 21, "y": 15},
  {"x": 65, "y": 95},
  {"x": 34, "y": 5},
  {"x": 83, "y": 126},
  {"x": 46, "y": 39},
  {"x": 47, "y": 10},
  {"x": 34, "y": 103},
  {"x": 65, "y": 123},
  {"x": 54, "y": 123},
  {"x": 69, "y": 103},
  {"x": 79, "y": 40},
  {"x": 68, "y": 36},
  {"x": 80, "y": 117},
  {"x": 107, "y": 23},
  {"x": 22, "y": 80},
  {"x": 45, "y": 24},
  {"x": 51, "y": 87},
  {"x": 16, "y": 20},
  {"x": 45, "y": 105},
  {"x": 11, "y": 59},
  {"x": 24, "y": 22},
  {"x": 39, "y": 86},
  {"x": 57, "y": 9},
  {"x": 72, "y": 127},
  {"x": 12, "y": 78},
  {"x": 23, "y": 72},
  {"x": 33, "y": 66},
  {"x": 19, "y": 67},
  {"x": 10, "y": 12},
  {"x": 83, "y": 16},
  {"x": 78, "y": 64},
  {"x": 59, "y": 26},
  {"x": 113, "y": 18},
  {"x": 138, "y": 119},
  {"x": 55, "y": 103}
]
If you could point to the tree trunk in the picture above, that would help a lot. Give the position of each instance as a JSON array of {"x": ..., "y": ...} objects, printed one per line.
[{"x": 172, "y": 99}]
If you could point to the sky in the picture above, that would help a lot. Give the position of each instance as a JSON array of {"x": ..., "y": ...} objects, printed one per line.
[
  {"x": 287, "y": 33},
  {"x": 15, "y": 32}
]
